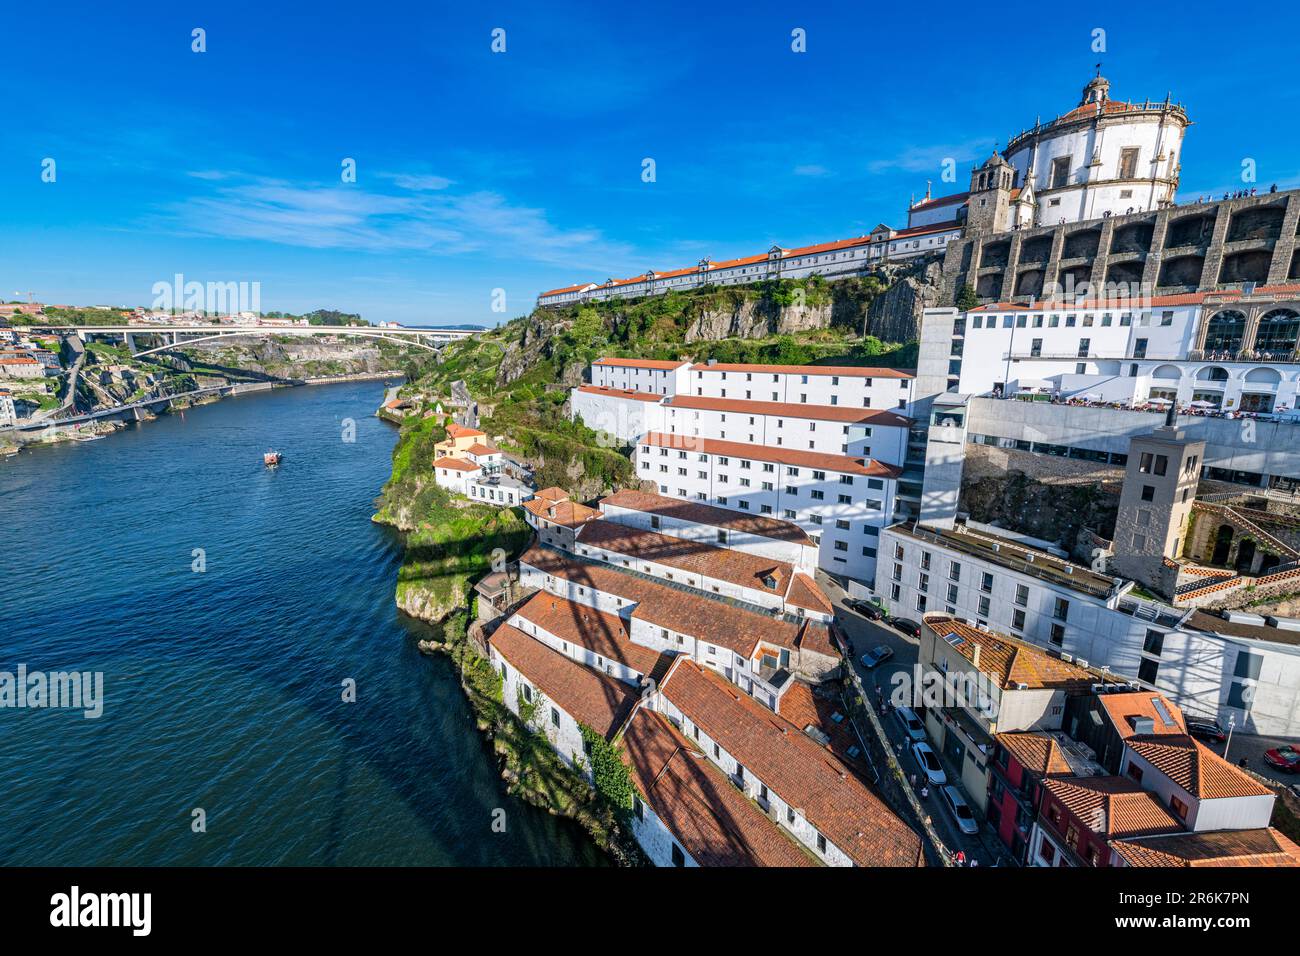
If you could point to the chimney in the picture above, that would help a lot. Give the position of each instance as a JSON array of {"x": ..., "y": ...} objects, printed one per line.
[{"x": 975, "y": 656}]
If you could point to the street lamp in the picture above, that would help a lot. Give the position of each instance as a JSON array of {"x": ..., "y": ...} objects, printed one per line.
[{"x": 1232, "y": 721}]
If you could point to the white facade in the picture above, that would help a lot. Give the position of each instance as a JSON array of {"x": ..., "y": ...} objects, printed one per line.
[
  {"x": 804, "y": 428},
  {"x": 639, "y": 375},
  {"x": 8, "y": 413},
  {"x": 999, "y": 346},
  {"x": 456, "y": 474},
  {"x": 792, "y": 552},
  {"x": 829, "y": 259},
  {"x": 503, "y": 492},
  {"x": 624, "y": 414},
  {"x": 830, "y": 427},
  {"x": 791, "y": 818},
  {"x": 1256, "y": 683},
  {"x": 842, "y": 386},
  {"x": 1102, "y": 158},
  {"x": 702, "y": 581},
  {"x": 840, "y": 509},
  {"x": 1250, "y": 812},
  {"x": 558, "y": 725}
]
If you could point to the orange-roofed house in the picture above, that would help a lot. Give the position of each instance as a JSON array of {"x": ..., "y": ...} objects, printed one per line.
[
  {"x": 1199, "y": 787},
  {"x": 458, "y": 441},
  {"x": 975, "y": 684},
  {"x": 1080, "y": 816}
]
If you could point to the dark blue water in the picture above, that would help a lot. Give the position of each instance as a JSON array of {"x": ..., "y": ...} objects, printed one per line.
[{"x": 223, "y": 689}]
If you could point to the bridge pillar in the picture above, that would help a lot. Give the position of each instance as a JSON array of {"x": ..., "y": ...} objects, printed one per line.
[{"x": 129, "y": 339}]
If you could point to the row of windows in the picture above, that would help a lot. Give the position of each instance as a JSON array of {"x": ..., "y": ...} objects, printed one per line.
[{"x": 1052, "y": 320}]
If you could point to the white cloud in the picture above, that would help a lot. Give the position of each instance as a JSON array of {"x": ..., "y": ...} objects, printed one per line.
[
  {"x": 437, "y": 222},
  {"x": 811, "y": 169},
  {"x": 418, "y": 182},
  {"x": 931, "y": 159}
]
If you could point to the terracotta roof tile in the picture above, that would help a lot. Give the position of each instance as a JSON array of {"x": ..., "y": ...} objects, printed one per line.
[
  {"x": 460, "y": 431},
  {"x": 1263, "y": 847},
  {"x": 696, "y": 513},
  {"x": 625, "y": 393},
  {"x": 553, "y": 494},
  {"x": 821, "y": 413},
  {"x": 1194, "y": 767},
  {"x": 1113, "y": 806},
  {"x": 794, "y": 767},
  {"x": 1012, "y": 662},
  {"x": 714, "y": 823},
  {"x": 457, "y": 464},
  {"x": 592, "y": 698},
  {"x": 867, "y": 467},
  {"x": 601, "y": 633},
  {"x": 639, "y": 363},
  {"x": 845, "y": 371},
  {"x": 567, "y": 514},
  {"x": 694, "y": 557},
  {"x": 481, "y": 449},
  {"x": 807, "y": 593},
  {"x": 1121, "y": 708},
  {"x": 1036, "y": 751},
  {"x": 683, "y": 611}
]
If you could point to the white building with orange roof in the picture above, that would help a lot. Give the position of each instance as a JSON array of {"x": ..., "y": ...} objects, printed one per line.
[
  {"x": 458, "y": 441},
  {"x": 840, "y": 501},
  {"x": 651, "y": 376},
  {"x": 836, "y": 258}
]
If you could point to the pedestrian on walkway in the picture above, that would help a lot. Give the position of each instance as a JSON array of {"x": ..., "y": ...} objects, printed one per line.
[{"x": 925, "y": 792}]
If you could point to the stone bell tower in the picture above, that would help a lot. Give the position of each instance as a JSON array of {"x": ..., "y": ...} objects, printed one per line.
[
  {"x": 1159, "y": 490},
  {"x": 988, "y": 209}
]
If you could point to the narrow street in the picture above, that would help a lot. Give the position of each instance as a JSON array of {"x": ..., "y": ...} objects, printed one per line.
[{"x": 864, "y": 635}]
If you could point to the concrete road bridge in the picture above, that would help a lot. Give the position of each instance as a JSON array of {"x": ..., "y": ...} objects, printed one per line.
[{"x": 182, "y": 335}]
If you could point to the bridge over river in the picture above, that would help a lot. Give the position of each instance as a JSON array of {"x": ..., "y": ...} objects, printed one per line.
[{"x": 181, "y": 335}]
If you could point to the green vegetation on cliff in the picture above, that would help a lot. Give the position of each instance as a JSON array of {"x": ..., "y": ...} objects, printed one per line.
[
  {"x": 450, "y": 543},
  {"x": 519, "y": 374}
]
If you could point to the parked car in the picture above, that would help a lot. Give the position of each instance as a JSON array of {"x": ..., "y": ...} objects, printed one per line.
[
  {"x": 877, "y": 655},
  {"x": 872, "y": 612},
  {"x": 910, "y": 628},
  {"x": 1286, "y": 759},
  {"x": 1206, "y": 729},
  {"x": 929, "y": 763},
  {"x": 960, "y": 810},
  {"x": 911, "y": 723}
]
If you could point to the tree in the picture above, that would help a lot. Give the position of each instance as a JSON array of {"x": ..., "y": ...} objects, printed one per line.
[{"x": 966, "y": 298}]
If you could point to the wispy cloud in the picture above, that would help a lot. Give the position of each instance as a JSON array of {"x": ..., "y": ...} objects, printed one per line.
[
  {"x": 921, "y": 159},
  {"x": 425, "y": 217},
  {"x": 811, "y": 169},
  {"x": 418, "y": 182}
]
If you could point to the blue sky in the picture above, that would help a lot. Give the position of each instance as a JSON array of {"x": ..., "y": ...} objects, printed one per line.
[{"x": 522, "y": 170}]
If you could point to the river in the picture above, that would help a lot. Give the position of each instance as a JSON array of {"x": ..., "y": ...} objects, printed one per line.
[{"x": 223, "y": 687}]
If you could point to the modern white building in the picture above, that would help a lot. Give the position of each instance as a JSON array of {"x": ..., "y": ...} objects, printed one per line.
[
  {"x": 840, "y": 502},
  {"x": 8, "y": 412},
  {"x": 1221, "y": 351},
  {"x": 1210, "y": 666}
]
